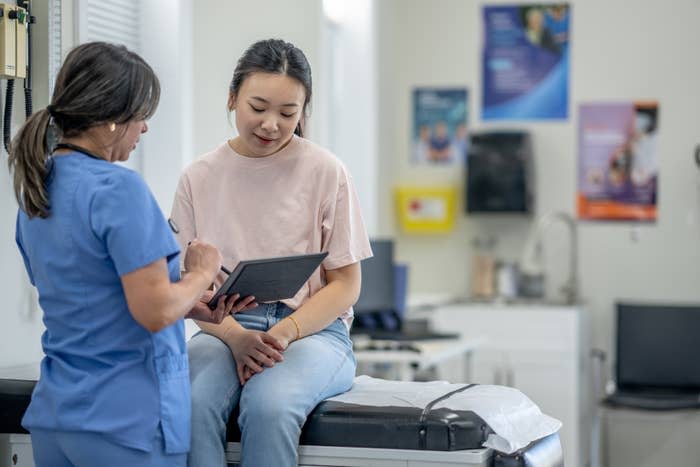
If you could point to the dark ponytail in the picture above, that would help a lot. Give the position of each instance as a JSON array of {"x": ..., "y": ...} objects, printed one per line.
[
  {"x": 27, "y": 161},
  {"x": 98, "y": 83}
]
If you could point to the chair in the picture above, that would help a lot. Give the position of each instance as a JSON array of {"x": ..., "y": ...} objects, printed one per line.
[{"x": 648, "y": 415}]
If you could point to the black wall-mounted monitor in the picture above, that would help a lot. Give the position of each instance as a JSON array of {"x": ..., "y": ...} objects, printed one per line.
[{"x": 499, "y": 173}]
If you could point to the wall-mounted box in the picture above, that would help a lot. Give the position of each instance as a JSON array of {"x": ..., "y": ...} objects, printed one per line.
[
  {"x": 8, "y": 35},
  {"x": 499, "y": 173},
  {"x": 426, "y": 210}
]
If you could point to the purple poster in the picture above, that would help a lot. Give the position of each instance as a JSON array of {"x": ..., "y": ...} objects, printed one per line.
[{"x": 618, "y": 161}]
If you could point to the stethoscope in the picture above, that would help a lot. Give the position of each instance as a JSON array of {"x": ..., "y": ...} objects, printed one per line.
[
  {"x": 69, "y": 146},
  {"x": 76, "y": 148}
]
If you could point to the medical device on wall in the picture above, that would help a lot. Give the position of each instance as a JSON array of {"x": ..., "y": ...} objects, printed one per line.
[
  {"x": 13, "y": 31},
  {"x": 15, "y": 57}
]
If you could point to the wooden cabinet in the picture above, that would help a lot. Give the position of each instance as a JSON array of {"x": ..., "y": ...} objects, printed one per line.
[{"x": 540, "y": 350}]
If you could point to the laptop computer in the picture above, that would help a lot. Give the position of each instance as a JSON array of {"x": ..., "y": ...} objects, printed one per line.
[
  {"x": 658, "y": 359},
  {"x": 380, "y": 309}
]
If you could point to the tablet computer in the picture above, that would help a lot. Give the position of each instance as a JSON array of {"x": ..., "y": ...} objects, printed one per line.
[{"x": 270, "y": 279}]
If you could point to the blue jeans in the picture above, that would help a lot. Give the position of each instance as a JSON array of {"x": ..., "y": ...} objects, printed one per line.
[
  {"x": 273, "y": 404},
  {"x": 81, "y": 448}
]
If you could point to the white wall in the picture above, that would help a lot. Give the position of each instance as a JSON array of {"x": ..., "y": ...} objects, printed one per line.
[
  {"x": 218, "y": 40},
  {"x": 614, "y": 57},
  {"x": 20, "y": 319},
  {"x": 620, "y": 51},
  {"x": 348, "y": 98},
  {"x": 221, "y": 31},
  {"x": 165, "y": 150},
  {"x": 193, "y": 51},
  {"x": 167, "y": 46}
]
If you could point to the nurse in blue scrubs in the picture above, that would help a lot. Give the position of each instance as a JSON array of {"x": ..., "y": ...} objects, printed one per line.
[{"x": 114, "y": 386}]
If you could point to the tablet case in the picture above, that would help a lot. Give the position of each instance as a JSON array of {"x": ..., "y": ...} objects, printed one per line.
[{"x": 269, "y": 280}]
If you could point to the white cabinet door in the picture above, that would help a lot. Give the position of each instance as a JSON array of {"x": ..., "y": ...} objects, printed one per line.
[
  {"x": 490, "y": 367},
  {"x": 534, "y": 350},
  {"x": 546, "y": 380},
  {"x": 549, "y": 383}
]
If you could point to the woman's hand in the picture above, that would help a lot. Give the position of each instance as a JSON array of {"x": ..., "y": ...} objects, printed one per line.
[
  {"x": 284, "y": 331},
  {"x": 247, "y": 374},
  {"x": 252, "y": 351},
  {"x": 224, "y": 307}
]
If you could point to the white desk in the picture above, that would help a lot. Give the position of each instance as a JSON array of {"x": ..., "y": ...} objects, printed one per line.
[
  {"x": 426, "y": 354},
  {"x": 28, "y": 371}
]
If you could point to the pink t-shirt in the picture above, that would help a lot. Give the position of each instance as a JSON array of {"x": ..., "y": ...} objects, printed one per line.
[{"x": 296, "y": 201}]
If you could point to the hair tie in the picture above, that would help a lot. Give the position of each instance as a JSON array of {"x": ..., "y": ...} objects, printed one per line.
[{"x": 51, "y": 110}]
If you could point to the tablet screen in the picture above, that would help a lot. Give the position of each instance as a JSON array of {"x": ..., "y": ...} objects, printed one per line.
[{"x": 270, "y": 279}]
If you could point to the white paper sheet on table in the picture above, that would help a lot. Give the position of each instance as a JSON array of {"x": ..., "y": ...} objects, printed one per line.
[{"x": 514, "y": 418}]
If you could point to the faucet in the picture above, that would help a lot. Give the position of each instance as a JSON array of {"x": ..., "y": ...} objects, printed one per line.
[{"x": 532, "y": 254}]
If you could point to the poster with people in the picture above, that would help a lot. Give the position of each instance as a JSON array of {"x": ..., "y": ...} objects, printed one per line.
[
  {"x": 526, "y": 62},
  {"x": 440, "y": 126},
  {"x": 618, "y": 162}
]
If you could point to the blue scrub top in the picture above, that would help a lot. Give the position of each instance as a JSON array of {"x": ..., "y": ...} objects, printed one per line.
[{"x": 103, "y": 372}]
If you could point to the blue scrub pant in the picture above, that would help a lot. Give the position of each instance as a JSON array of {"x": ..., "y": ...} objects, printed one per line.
[
  {"x": 85, "y": 449},
  {"x": 273, "y": 404}
]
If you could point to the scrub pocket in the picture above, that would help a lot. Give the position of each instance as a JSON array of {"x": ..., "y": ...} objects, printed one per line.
[{"x": 175, "y": 401}]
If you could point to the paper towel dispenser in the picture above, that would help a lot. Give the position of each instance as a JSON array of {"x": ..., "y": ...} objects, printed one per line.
[{"x": 500, "y": 173}]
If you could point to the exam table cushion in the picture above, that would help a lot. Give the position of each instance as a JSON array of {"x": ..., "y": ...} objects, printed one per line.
[
  {"x": 330, "y": 424},
  {"x": 339, "y": 424}
]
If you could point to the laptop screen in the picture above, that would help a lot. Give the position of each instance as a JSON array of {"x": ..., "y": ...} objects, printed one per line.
[{"x": 658, "y": 346}]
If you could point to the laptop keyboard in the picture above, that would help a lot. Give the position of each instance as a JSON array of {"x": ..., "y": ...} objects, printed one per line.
[{"x": 410, "y": 336}]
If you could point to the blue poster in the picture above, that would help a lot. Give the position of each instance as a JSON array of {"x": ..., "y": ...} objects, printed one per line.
[
  {"x": 526, "y": 62},
  {"x": 439, "y": 126}
]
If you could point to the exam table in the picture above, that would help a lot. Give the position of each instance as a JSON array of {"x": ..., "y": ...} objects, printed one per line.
[{"x": 377, "y": 423}]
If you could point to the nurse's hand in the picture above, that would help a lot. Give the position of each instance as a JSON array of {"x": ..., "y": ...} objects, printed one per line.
[
  {"x": 204, "y": 257},
  {"x": 254, "y": 350},
  {"x": 244, "y": 304},
  {"x": 202, "y": 312}
]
